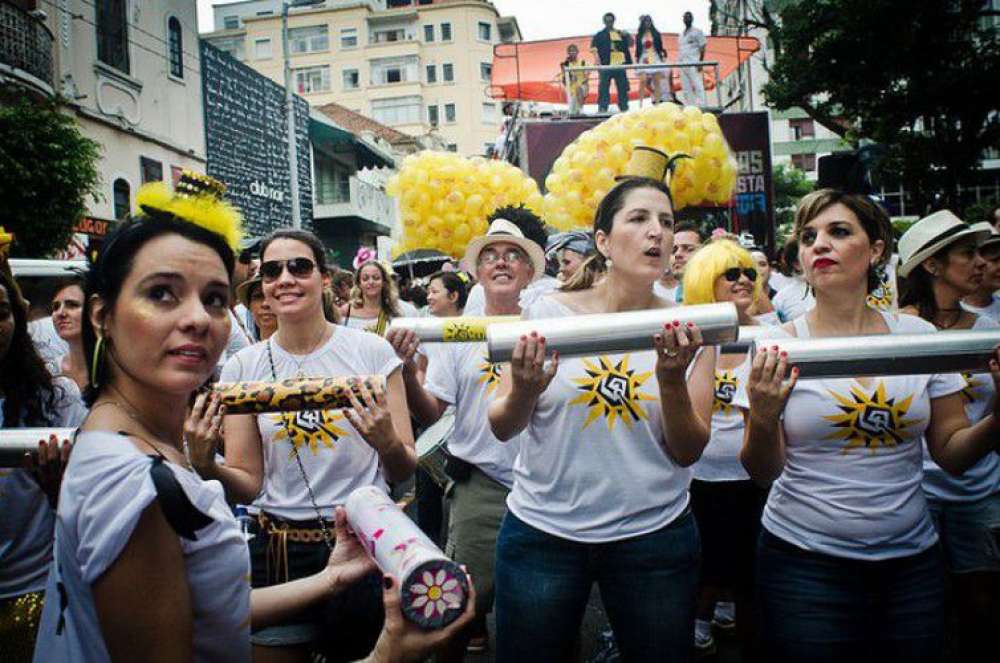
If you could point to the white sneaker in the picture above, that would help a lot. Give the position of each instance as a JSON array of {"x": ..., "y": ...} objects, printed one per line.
[
  {"x": 704, "y": 643},
  {"x": 724, "y": 617}
]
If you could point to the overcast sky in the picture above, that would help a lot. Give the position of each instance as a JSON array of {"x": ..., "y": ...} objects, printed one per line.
[{"x": 543, "y": 19}]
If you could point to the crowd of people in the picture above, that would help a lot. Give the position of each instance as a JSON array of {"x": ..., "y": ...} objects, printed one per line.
[
  {"x": 615, "y": 48},
  {"x": 820, "y": 519}
]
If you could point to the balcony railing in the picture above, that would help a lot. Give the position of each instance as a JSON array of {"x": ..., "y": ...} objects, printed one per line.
[
  {"x": 362, "y": 200},
  {"x": 25, "y": 43}
]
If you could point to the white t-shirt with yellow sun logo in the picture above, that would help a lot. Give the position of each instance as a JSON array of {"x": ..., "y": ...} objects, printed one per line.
[
  {"x": 853, "y": 461},
  {"x": 335, "y": 457},
  {"x": 460, "y": 374},
  {"x": 592, "y": 466},
  {"x": 982, "y": 479}
]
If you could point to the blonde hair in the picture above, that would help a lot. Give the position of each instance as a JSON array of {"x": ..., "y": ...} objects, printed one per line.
[
  {"x": 709, "y": 263},
  {"x": 388, "y": 297}
]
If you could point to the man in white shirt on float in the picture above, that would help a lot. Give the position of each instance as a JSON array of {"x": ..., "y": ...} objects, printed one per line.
[{"x": 691, "y": 48}]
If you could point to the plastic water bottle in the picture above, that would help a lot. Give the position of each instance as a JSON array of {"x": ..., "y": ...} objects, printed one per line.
[{"x": 244, "y": 520}]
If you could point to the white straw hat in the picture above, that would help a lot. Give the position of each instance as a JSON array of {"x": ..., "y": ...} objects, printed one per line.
[
  {"x": 994, "y": 234},
  {"x": 931, "y": 234},
  {"x": 502, "y": 230}
]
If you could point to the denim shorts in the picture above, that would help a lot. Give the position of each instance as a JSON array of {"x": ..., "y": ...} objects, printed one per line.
[
  {"x": 970, "y": 533},
  {"x": 647, "y": 584},
  {"x": 825, "y": 609}
]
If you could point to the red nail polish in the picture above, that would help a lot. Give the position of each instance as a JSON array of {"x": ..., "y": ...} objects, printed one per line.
[
  {"x": 774, "y": 347},
  {"x": 784, "y": 354},
  {"x": 690, "y": 324}
]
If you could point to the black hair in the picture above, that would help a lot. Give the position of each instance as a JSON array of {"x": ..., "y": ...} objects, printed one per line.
[
  {"x": 607, "y": 14},
  {"x": 27, "y": 386},
  {"x": 688, "y": 227},
  {"x": 114, "y": 262},
  {"x": 529, "y": 223},
  {"x": 453, "y": 283},
  {"x": 61, "y": 284},
  {"x": 304, "y": 236},
  {"x": 918, "y": 292},
  {"x": 612, "y": 203}
]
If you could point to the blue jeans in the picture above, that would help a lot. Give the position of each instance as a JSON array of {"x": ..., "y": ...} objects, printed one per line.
[
  {"x": 817, "y": 608},
  {"x": 647, "y": 585},
  {"x": 604, "y": 89}
]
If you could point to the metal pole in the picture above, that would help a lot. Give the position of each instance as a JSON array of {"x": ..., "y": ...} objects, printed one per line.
[{"x": 293, "y": 148}]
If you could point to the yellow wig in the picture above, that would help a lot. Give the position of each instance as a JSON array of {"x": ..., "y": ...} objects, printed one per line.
[
  {"x": 198, "y": 199},
  {"x": 709, "y": 263}
]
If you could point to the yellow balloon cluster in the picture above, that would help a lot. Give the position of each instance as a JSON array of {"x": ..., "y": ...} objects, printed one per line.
[
  {"x": 445, "y": 198},
  {"x": 586, "y": 170}
]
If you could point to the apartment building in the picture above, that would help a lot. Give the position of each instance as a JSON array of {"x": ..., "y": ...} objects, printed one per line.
[{"x": 418, "y": 66}]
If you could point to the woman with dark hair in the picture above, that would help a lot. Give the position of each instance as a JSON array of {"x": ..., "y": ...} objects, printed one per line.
[
  {"x": 941, "y": 262},
  {"x": 446, "y": 294},
  {"x": 149, "y": 562},
  {"x": 374, "y": 299},
  {"x": 649, "y": 50},
  {"x": 601, "y": 480},
  {"x": 30, "y": 397},
  {"x": 67, "y": 317},
  {"x": 251, "y": 295},
  {"x": 296, "y": 467},
  {"x": 848, "y": 563}
]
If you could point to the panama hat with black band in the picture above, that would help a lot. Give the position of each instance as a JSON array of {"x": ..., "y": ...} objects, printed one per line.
[
  {"x": 932, "y": 234},
  {"x": 503, "y": 231},
  {"x": 991, "y": 242}
]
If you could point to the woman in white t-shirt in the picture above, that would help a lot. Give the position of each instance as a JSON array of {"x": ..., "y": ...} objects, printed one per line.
[
  {"x": 600, "y": 483},
  {"x": 67, "y": 315},
  {"x": 942, "y": 263},
  {"x": 149, "y": 562},
  {"x": 726, "y": 503},
  {"x": 296, "y": 467},
  {"x": 374, "y": 300},
  {"x": 848, "y": 564},
  {"x": 29, "y": 397}
]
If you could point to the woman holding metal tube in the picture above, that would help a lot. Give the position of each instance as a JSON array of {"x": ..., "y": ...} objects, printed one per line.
[
  {"x": 29, "y": 397},
  {"x": 942, "y": 261},
  {"x": 726, "y": 503},
  {"x": 849, "y": 566},
  {"x": 601, "y": 481},
  {"x": 296, "y": 467}
]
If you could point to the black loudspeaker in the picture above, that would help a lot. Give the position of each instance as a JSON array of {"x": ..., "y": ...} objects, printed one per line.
[{"x": 850, "y": 171}]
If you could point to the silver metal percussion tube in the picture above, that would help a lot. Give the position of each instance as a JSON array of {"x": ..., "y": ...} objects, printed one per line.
[
  {"x": 746, "y": 341},
  {"x": 581, "y": 335},
  {"x": 462, "y": 329},
  {"x": 15, "y": 442},
  {"x": 891, "y": 354}
]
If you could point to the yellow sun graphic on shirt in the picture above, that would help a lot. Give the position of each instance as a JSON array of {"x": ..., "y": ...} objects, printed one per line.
[
  {"x": 726, "y": 383},
  {"x": 310, "y": 428},
  {"x": 612, "y": 392},
  {"x": 489, "y": 374},
  {"x": 972, "y": 383},
  {"x": 870, "y": 421}
]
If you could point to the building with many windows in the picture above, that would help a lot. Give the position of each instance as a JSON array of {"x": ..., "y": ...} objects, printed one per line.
[
  {"x": 128, "y": 71},
  {"x": 418, "y": 66}
]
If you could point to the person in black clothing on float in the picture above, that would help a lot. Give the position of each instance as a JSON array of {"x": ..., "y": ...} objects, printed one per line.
[{"x": 611, "y": 47}]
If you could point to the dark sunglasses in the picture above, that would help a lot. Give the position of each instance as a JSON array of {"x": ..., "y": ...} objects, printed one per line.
[
  {"x": 733, "y": 274},
  {"x": 300, "y": 268}
]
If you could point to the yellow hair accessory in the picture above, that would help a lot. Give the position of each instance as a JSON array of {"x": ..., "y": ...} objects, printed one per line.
[
  {"x": 197, "y": 199},
  {"x": 6, "y": 239}
]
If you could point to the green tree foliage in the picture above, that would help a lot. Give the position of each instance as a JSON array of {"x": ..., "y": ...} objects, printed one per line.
[
  {"x": 48, "y": 169},
  {"x": 919, "y": 76},
  {"x": 790, "y": 184}
]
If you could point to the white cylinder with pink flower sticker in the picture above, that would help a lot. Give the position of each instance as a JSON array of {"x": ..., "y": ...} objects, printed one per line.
[{"x": 433, "y": 588}]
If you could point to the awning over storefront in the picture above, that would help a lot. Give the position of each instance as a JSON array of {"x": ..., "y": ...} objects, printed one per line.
[
  {"x": 530, "y": 70},
  {"x": 324, "y": 132}
]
